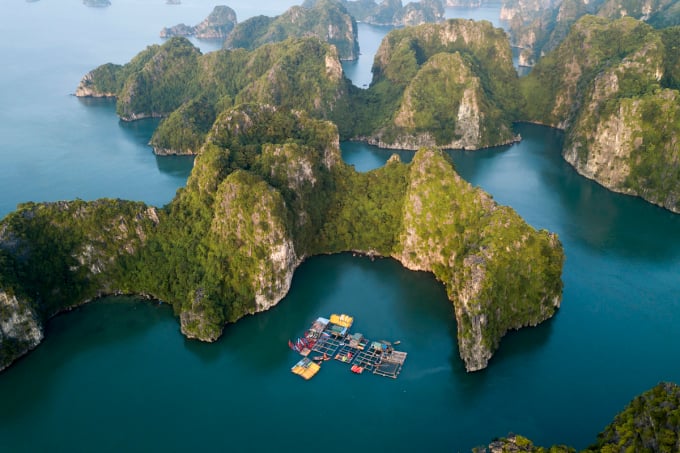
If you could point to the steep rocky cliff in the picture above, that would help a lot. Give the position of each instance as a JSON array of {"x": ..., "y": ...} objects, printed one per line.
[
  {"x": 499, "y": 272},
  {"x": 539, "y": 27},
  {"x": 56, "y": 255},
  {"x": 326, "y": 19},
  {"x": 20, "y": 328},
  {"x": 449, "y": 85},
  {"x": 250, "y": 236},
  {"x": 189, "y": 90},
  {"x": 326, "y": 207},
  {"x": 217, "y": 25},
  {"x": 459, "y": 86},
  {"x": 617, "y": 103},
  {"x": 268, "y": 189},
  {"x": 651, "y": 422},
  {"x": 394, "y": 13},
  {"x": 445, "y": 105}
]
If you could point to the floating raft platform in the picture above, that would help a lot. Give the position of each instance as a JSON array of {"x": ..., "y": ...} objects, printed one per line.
[
  {"x": 331, "y": 338},
  {"x": 306, "y": 368},
  {"x": 391, "y": 365}
]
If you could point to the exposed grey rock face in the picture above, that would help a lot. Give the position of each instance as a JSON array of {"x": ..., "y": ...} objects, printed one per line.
[
  {"x": 619, "y": 108},
  {"x": 217, "y": 25},
  {"x": 436, "y": 200},
  {"x": 445, "y": 103},
  {"x": 121, "y": 229},
  {"x": 20, "y": 328},
  {"x": 86, "y": 88}
]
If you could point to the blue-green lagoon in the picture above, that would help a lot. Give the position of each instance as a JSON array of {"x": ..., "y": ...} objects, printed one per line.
[{"x": 117, "y": 375}]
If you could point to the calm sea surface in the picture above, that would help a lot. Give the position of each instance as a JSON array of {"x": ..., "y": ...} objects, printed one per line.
[{"x": 117, "y": 375}]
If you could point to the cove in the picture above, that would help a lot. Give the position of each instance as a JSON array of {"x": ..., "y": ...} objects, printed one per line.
[{"x": 117, "y": 374}]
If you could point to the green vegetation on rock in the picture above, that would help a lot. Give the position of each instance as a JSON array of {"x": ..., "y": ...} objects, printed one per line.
[
  {"x": 449, "y": 85},
  {"x": 326, "y": 19},
  {"x": 392, "y": 12},
  {"x": 467, "y": 99},
  {"x": 175, "y": 81},
  {"x": 612, "y": 85},
  {"x": 649, "y": 423},
  {"x": 539, "y": 27},
  {"x": 268, "y": 189},
  {"x": 217, "y": 25}
]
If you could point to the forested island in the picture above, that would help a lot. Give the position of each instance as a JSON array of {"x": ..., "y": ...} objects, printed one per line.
[
  {"x": 614, "y": 87},
  {"x": 328, "y": 20},
  {"x": 443, "y": 85},
  {"x": 217, "y": 25},
  {"x": 538, "y": 27},
  {"x": 393, "y": 12},
  {"x": 651, "y": 422},
  {"x": 269, "y": 189},
  {"x": 97, "y": 3}
]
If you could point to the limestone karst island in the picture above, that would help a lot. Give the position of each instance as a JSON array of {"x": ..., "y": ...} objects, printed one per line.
[{"x": 265, "y": 118}]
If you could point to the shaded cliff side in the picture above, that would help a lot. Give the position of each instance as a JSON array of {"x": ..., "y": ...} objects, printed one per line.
[
  {"x": 618, "y": 104},
  {"x": 56, "y": 255},
  {"x": 651, "y": 422},
  {"x": 268, "y": 189},
  {"x": 539, "y": 27},
  {"x": 449, "y": 85}
]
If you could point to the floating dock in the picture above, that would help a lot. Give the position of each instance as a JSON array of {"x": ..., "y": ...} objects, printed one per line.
[
  {"x": 306, "y": 368},
  {"x": 332, "y": 340}
]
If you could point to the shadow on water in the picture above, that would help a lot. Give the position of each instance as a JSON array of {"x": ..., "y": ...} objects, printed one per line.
[
  {"x": 70, "y": 336},
  {"x": 469, "y": 164},
  {"x": 365, "y": 157},
  {"x": 260, "y": 342},
  {"x": 140, "y": 131},
  {"x": 604, "y": 220},
  {"x": 103, "y": 104},
  {"x": 517, "y": 346},
  {"x": 533, "y": 177},
  {"x": 176, "y": 166}
]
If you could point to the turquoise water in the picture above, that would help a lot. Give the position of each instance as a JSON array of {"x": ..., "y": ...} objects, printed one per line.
[{"x": 117, "y": 375}]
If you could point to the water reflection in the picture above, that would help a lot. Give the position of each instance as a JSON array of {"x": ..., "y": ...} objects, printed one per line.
[
  {"x": 367, "y": 157},
  {"x": 81, "y": 334},
  {"x": 177, "y": 166},
  {"x": 359, "y": 70}
]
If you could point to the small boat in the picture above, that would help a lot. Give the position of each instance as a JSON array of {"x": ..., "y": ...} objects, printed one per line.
[
  {"x": 321, "y": 358},
  {"x": 357, "y": 369},
  {"x": 397, "y": 342}
]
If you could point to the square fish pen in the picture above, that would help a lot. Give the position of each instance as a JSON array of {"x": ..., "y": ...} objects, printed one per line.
[
  {"x": 367, "y": 360},
  {"x": 327, "y": 345},
  {"x": 391, "y": 364},
  {"x": 346, "y": 353}
]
